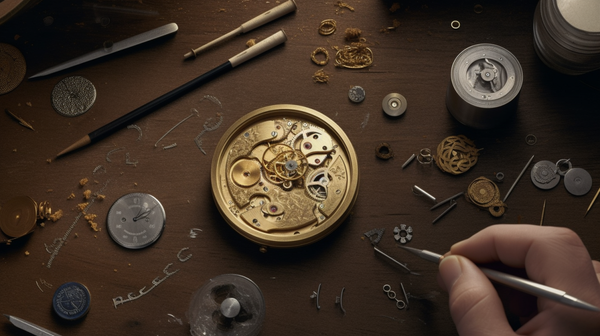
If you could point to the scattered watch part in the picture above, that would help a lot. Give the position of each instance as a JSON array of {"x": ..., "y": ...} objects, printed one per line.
[
  {"x": 485, "y": 82},
  {"x": 394, "y": 104},
  {"x": 73, "y": 96},
  {"x": 578, "y": 181},
  {"x": 12, "y": 68},
  {"x": 392, "y": 296},
  {"x": 136, "y": 220},
  {"x": 356, "y": 94},
  {"x": 531, "y": 139},
  {"x": 71, "y": 301},
  {"x": 484, "y": 193},
  {"x": 455, "y": 24},
  {"x": 499, "y": 177},
  {"x": 19, "y": 215},
  {"x": 228, "y": 304},
  {"x": 456, "y": 154},
  {"x": 403, "y": 234},
  {"x": 375, "y": 235},
  {"x": 408, "y": 161},
  {"x": 563, "y": 162},
  {"x": 315, "y": 295},
  {"x": 418, "y": 191},
  {"x": 544, "y": 175},
  {"x": 339, "y": 300},
  {"x": 384, "y": 151},
  {"x": 425, "y": 157}
]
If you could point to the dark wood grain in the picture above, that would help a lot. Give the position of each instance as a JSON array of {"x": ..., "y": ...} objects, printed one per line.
[{"x": 413, "y": 60}]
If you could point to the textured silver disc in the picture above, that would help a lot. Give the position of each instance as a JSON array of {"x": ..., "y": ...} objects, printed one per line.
[
  {"x": 578, "y": 181},
  {"x": 394, "y": 104},
  {"x": 12, "y": 68},
  {"x": 356, "y": 94},
  {"x": 544, "y": 175},
  {"x": 73, "y": 96}
]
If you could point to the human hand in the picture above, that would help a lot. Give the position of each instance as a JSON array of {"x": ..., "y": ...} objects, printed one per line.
[{"x": 552, "y": 256}]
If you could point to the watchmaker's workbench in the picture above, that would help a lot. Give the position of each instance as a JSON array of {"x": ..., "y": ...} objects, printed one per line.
[{"x": 413, "y": 46}]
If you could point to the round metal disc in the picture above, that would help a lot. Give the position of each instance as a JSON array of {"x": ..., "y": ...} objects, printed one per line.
[
  {"x": 228, "y": 304},
  {"x": 305, "y": 186},
  {"x": 394, "y": 104},
  {"x": 356, "y": 94},
  {"x": 12, "y": 68},
  {"x": 73, "y": 96},
  {"x": 18, "y": 216},
  {"x": 544, "y": 175},
  {"x": 136, "y": 220},
  {"x": 578, "y": 181},
  {"x": 71, "y": 301}
]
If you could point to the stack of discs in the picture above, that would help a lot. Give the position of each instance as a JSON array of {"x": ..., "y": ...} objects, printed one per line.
[{"x": 567, "y": 35}]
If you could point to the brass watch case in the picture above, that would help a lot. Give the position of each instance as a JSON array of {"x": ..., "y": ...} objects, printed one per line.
[{"x": 284, "y": 176}]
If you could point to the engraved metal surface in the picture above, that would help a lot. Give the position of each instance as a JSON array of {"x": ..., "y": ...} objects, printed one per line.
[
  {"x": 73, "y": 96},
  {"x": 71, "y": 301},
  {"x": 544, "y": 175},
  {"x": 578, "y": 181},
  {"x": 136, "y": 220},
  {"x": 12, "y": 68},
  {"x": 284, "y": 176},
  {"x": 18, "y": 216},
  {"x": 485, "y": 82}
]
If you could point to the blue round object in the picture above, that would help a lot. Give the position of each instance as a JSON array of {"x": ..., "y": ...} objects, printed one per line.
[{"x": 71, "y": 301}]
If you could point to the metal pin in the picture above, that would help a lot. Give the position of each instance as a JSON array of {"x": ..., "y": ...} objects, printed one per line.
[
  {"x": 543, "y": 212},
  {"x": 405, "y": 296},
  {"x": 394, "y": 260},
  {"x": 452, "y": 205},
  {"x": 410, "y": 159},
  {"x": 592, "y": 203},
  {"x": 447, "y": 200},
  {"x": 340, "y": 300},
  {"x": 316, "y": 295},
  {"x": 518, "y": 178},
  {"x": 420, "y": 192}
]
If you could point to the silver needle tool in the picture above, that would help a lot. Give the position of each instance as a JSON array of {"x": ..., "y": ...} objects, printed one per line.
[
  {"x": 115, "y": 47},
  {"x": 268, "y": 16},
  {"x": 517, "y": 180},
  {"x": 523, "y": 285},
  {"x": 396, "y": 262},
  {"x": 30, "y": 327}
]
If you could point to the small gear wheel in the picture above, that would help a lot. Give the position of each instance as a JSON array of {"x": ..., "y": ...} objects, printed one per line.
[{"x": 403, "y": 234}]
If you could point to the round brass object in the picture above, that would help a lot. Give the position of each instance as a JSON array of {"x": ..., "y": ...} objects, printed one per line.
[
  {"x": 12, "y": 68},
  {"x": 246, "y": 173},
  {"x": 18, "y": 216},
  {"x": 484, "y": 193},
  {"x": 306, "y": 181}
]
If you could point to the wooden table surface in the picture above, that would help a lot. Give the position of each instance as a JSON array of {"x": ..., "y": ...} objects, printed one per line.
[{"x": 414, "y": 60}]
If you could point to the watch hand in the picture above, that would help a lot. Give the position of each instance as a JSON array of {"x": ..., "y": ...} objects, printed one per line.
[{"x": 143, "y": 214}]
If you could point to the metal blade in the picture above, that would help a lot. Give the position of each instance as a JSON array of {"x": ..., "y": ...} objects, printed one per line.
[{"x": 116, "y": 47}]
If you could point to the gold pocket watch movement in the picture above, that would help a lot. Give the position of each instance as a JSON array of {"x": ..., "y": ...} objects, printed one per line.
[{"x": 284, "y": 176}]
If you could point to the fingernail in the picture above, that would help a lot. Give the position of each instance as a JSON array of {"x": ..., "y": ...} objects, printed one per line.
[{"x": 450, "y": 270}]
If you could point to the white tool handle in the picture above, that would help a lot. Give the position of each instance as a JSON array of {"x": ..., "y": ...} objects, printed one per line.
[
  {"x": 257, "y": 49},
  {"x": 270, "y": 15}
]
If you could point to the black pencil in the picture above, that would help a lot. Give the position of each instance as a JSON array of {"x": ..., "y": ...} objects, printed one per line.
[{"x": 170, "y": 96}]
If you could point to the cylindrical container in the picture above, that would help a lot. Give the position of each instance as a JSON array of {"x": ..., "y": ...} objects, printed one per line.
[
  {"x": 567, "y": 35},
  {"x": 71, "y": 301},
  {"x": 485, "y": 82}
]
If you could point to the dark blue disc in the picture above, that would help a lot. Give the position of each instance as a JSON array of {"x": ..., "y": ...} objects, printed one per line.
[{"x": 71, "y": 301}]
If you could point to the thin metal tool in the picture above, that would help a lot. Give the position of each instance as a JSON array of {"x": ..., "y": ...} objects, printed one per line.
[
  {"x": 523, "y": 285},
  {"x": 30, "y": 327},
  {"x": 116, "y": 47},
  {"x": 420, "y": 192},
  {"x": 452, "y": 205},
  {"x": 543, "y": 212},
  {"x": 394, "y": 260},
  {"x": 592, "y": 203},
  {"x": 315, "y": 295},
  {"x": 451, "y": 198},
  {"x": 518, "y": 178},
  {"x": 266, "y": 17}
]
